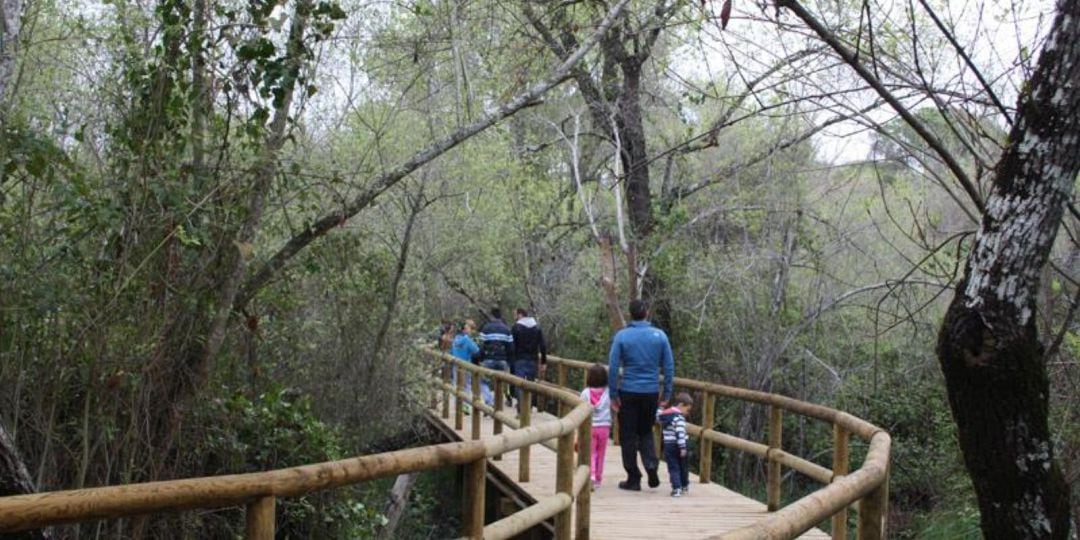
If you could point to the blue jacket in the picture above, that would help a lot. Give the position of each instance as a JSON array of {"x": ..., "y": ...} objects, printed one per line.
[
  {"x": 464, "y": 347},
  {"x": 641, "y": 350}
]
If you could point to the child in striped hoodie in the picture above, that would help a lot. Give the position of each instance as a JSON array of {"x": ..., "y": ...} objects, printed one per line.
[{"x": 673, "y": 421}]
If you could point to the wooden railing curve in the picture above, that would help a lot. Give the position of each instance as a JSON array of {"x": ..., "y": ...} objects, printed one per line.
[{"x": 867, "y": 486}]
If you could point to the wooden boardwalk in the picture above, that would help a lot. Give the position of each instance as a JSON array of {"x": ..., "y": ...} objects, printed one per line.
[{"x": 708, "y": 510}]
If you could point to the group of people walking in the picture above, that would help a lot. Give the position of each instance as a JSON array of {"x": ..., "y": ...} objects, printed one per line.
[
  {"x": 628, "y": 387},
  {"x": 519, "y": 350}
]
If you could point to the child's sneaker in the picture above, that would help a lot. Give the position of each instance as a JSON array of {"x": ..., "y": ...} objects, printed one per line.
[{"x": 676, "y": 492}]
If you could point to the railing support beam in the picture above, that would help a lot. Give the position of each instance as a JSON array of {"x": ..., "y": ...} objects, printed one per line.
[
  {"x": 447, "y": 370},
  {"x": 473, "y": 502},
  {"x": 564, "y": 480},
  {"x": 872, "y": 512},
  {"x": 477, "y": 416},
  {"x": 523, "y": 420},
  {"x": 841, "y": 459},
  {"x": 261, "y": 519},
  {"x": 705, "y": 446},
  {"x": 496, "y": 424},
  {"x": 459, "y": 407},
  {"x": 584, "y": 498},
  {"x": 776, "y": 426}
]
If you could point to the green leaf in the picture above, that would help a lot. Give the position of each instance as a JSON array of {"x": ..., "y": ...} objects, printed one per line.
[{"x": 256, "y": 49}]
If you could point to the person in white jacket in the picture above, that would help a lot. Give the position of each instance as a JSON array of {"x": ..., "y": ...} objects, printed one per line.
[{"x": 596, "y": 394}]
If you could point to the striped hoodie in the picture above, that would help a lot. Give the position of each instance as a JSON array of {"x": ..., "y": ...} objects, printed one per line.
[{"x": 674, "y": 426}]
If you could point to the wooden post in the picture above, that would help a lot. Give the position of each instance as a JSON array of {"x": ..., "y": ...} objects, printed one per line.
[
  {"x": 840, "y": 464},
  {"x": 473, "y": 503},
  {"x": 477, "y": 416},
  {"x": 584, "y": 498},
  {"x": 705, "y": 445},
  {"x": 497, "y": 426},
  {"x": 776, "y": 425},
  {"x": 561, "y": 377},
  {"x": 459, "y": 407},
  {"x": 448, "y": 369},
  {"x": 873, "y": 510},
  {"x": 260, "y": 519},
  {"x": 526, "y": 414},
  {"x": 564, "y": 481}
]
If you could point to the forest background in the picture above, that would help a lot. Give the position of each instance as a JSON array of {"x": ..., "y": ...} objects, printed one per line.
[{"x": 225, "y": 224}]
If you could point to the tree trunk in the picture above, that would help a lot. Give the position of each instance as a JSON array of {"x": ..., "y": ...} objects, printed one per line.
[
  {"x": 607, "y": 283},
  {"x": 395, "y": 507},
  {"x": 988, "y": 347},
  {"x": 10, "y": 22},
  {"x": 15, "y": 480},
  {"x": 635, "y": 159}
]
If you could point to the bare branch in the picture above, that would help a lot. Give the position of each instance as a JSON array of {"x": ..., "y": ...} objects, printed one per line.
[
  {"x": 967, "y": 60},
  {"x": 931, "y": 140}
]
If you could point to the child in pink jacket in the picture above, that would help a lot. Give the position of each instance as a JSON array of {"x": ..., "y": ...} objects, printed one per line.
[{"x": 596, "y": 394}]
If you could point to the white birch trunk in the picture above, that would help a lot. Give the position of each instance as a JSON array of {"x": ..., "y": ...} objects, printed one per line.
[{"x": 10, "y": 21}]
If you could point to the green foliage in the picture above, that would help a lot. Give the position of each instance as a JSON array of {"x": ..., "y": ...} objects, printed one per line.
[
  {"x": 278, "y": 429},
  {"x": 927, "y": 472},
  {"x": 960, "y": 524}
]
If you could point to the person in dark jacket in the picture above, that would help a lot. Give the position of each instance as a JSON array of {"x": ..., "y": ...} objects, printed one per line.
[
  {"x": 642, "y": 351},
  {"x": 530, "y": 352},
  {"x": 496, "y": 349}
]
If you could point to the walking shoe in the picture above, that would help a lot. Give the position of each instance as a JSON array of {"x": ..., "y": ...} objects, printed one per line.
[
  {"x": 629, "y": 486},
  {"x": 686, "y": 490},
  {"x": 654, "y": 479},
  {"x": 676, "y": 492}
]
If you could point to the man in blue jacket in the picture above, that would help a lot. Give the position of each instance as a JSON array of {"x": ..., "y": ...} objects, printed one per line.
[{"x": 641, "y": 350}]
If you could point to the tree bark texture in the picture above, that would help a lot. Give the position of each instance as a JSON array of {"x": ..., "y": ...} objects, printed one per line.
[
  {"x": 988, "y": 346},
  {"x": 10, "y": 22},
  {"x": 634, "y": 155}
]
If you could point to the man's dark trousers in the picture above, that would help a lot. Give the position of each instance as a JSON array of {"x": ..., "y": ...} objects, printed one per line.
[{"x": 637, "y": 414}]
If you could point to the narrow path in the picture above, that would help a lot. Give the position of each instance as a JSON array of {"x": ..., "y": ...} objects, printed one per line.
[{"x": 708, "y": 510}]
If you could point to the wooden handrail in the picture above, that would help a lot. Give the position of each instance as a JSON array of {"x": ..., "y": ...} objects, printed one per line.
[{"x": 867, "y": 485}]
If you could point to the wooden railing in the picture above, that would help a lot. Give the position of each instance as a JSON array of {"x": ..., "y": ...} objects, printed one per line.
[
  {"x": 571, "y": 481},
  {"x": 258, "y": 492},
  {"x": 867, "y": 486}
]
